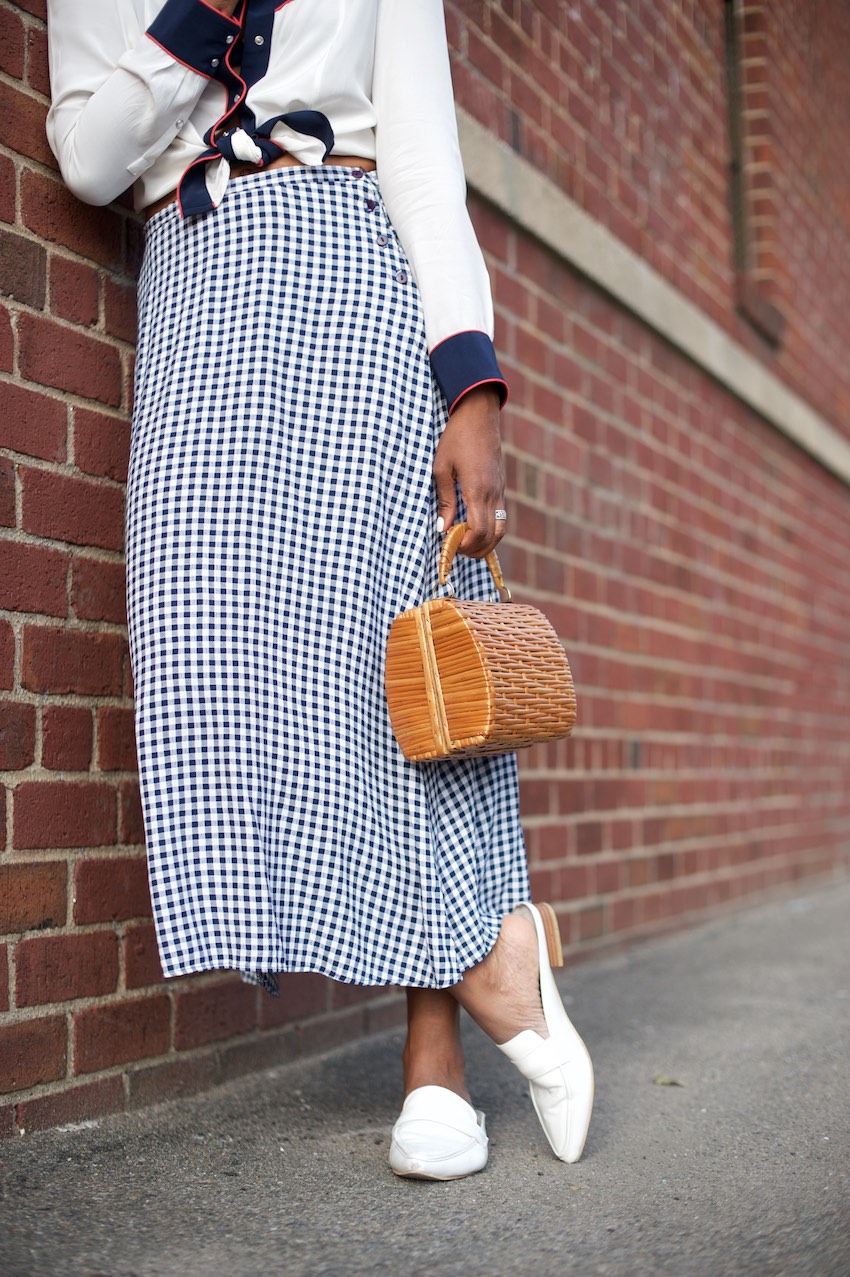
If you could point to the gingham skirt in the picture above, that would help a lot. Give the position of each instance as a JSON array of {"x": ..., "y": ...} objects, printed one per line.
[{"x": 280, "y": 513}]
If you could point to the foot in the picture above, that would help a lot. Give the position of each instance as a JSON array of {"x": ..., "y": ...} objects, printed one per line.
[
  {"x": 502, "y": 993},
  {"x": 557, "y": 1065},
  {"x": 438, "y": 1136}
]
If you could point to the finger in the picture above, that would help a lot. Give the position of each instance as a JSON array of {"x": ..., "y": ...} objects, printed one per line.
[
  {"x": 481, "y": 528},
  {"x": 501, "y": 524},
  {"x": 446, "y": 498}
]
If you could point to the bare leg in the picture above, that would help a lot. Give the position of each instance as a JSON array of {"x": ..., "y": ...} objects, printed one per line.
[
  {"x": 433, "y": 1054},
  {"x": 502, "y": 993}
]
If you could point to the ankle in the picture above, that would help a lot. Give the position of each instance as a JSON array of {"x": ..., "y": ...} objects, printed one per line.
[
  {"x": 426, "y": 1065},
  {"x": 433, "y": 1052}
]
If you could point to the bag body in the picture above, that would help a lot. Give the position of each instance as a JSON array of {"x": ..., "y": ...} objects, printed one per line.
[{"x": 466, "y": 677}]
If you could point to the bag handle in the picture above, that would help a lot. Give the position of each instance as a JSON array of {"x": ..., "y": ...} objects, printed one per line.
[{"x": 449, "y": 549}]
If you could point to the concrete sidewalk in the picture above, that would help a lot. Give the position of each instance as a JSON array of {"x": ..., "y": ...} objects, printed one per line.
[{"x": 741, "y": 1170}]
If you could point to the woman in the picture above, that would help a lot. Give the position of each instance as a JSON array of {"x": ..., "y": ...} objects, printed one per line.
[{"x": 314, "y": 339}]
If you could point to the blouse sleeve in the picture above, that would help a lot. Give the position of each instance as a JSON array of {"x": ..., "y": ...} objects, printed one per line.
[
  {"x": 424, "y": 189},
  {"x": 121, "y": 95}
]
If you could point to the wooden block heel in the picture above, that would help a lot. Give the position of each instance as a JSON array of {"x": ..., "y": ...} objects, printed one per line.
[{"x": 553, "y": 935}]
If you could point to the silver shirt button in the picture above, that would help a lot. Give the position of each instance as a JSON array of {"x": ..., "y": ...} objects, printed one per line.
[{"x": 259, "y": 39}]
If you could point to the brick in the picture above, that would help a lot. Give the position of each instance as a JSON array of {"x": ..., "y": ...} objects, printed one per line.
[
  {"x": 591, "y": 923},
  {"x": 54, "y": 354},
  {"x": 23, "y": 266},
  {"x": 55, "y": 660},
  {"x": 141, "y": 957},
  {"x": 53, "y": 813},
  {"x": 17, "y": 735},
  {"x": 111, "y": 890},
  {"x": 53, "y": 213},
  {"x": 329, "y": 1031},
  {"x": 101, "y": 443},
  {"x": 11, "y": 44},
  {"x": 7, "y": 189},
  {"x": 589, "y": 837},
  {"x": 8, "y": 495},
  {"x": 74, "y": 290},
  {"x": 387, "y": 1013},
  {"x": 29, "y": 115},
  {"x": 302, "y": 994},
  {"x": 120, "y": 300},
  {"x": 116, "y": 738},
  {"x": 213, "y": 1013},
  {"x": 38, "y": 8},
  {"x": 132, "y": 825},
  {"x": 98, "y": 590},
  {"x": 62, "y": 968},
  {"x": 38, "y": 71},
  {"x": 66, "y": 508},
  {"x": 79, "y": 1104},
  {"x": 34, "y": 579},
  {"x": 114, "y": 1034},
  {"x": 32, "y": 1052},
  {"x": 4, "y": 977},
  {"x": 266, "y": 1052},
  {"x": 7, "y": 341},
  {"x": 32, "y": 423},
  {"x": 347, "y": 995},
  {"x": 32, "y": 896},
  {"x": 66, "y": 737},
  {"x": 172, "y": 1080}
]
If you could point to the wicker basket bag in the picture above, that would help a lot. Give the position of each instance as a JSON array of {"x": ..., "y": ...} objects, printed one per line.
[{"x": 465, "y": 677}]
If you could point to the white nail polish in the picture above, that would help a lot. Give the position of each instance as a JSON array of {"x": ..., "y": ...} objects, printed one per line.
[{"x": 441, "y": 523}]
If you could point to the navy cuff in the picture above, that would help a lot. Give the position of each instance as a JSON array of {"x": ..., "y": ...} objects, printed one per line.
[
  {"x": 194, "y": 33},
  {"x": 465, "y": 361}
]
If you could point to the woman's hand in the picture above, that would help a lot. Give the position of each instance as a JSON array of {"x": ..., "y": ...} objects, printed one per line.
[{"x": 469, "y": 455}]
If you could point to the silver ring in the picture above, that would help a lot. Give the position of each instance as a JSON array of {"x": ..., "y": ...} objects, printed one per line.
[{"x": 501, "y": 515}]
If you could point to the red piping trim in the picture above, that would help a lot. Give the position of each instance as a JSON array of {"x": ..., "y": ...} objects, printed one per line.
[
  {"x": 194, "y": 164},
  {"x": 227, "y": 16},
  {"x": 242, "y": 95},
  {"x": 488, "y": 381},
  {"x": 175, "y": 58}
]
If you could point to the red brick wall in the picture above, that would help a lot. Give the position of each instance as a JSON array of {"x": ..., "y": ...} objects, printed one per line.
[
  {"x": 623, "y": 104},
  {"x": 689, "y": 554}
]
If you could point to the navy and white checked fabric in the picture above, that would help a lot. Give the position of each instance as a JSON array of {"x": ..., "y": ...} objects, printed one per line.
[{"x": 280, "y": 513}]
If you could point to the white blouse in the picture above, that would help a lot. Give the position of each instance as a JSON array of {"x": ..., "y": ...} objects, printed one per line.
[{"x": 166, "y": 95}]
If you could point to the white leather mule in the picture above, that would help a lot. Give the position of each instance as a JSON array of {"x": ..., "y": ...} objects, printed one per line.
[
  {"x": 438, "y": 1136},
  {"x": 558, "y": 1068}
]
